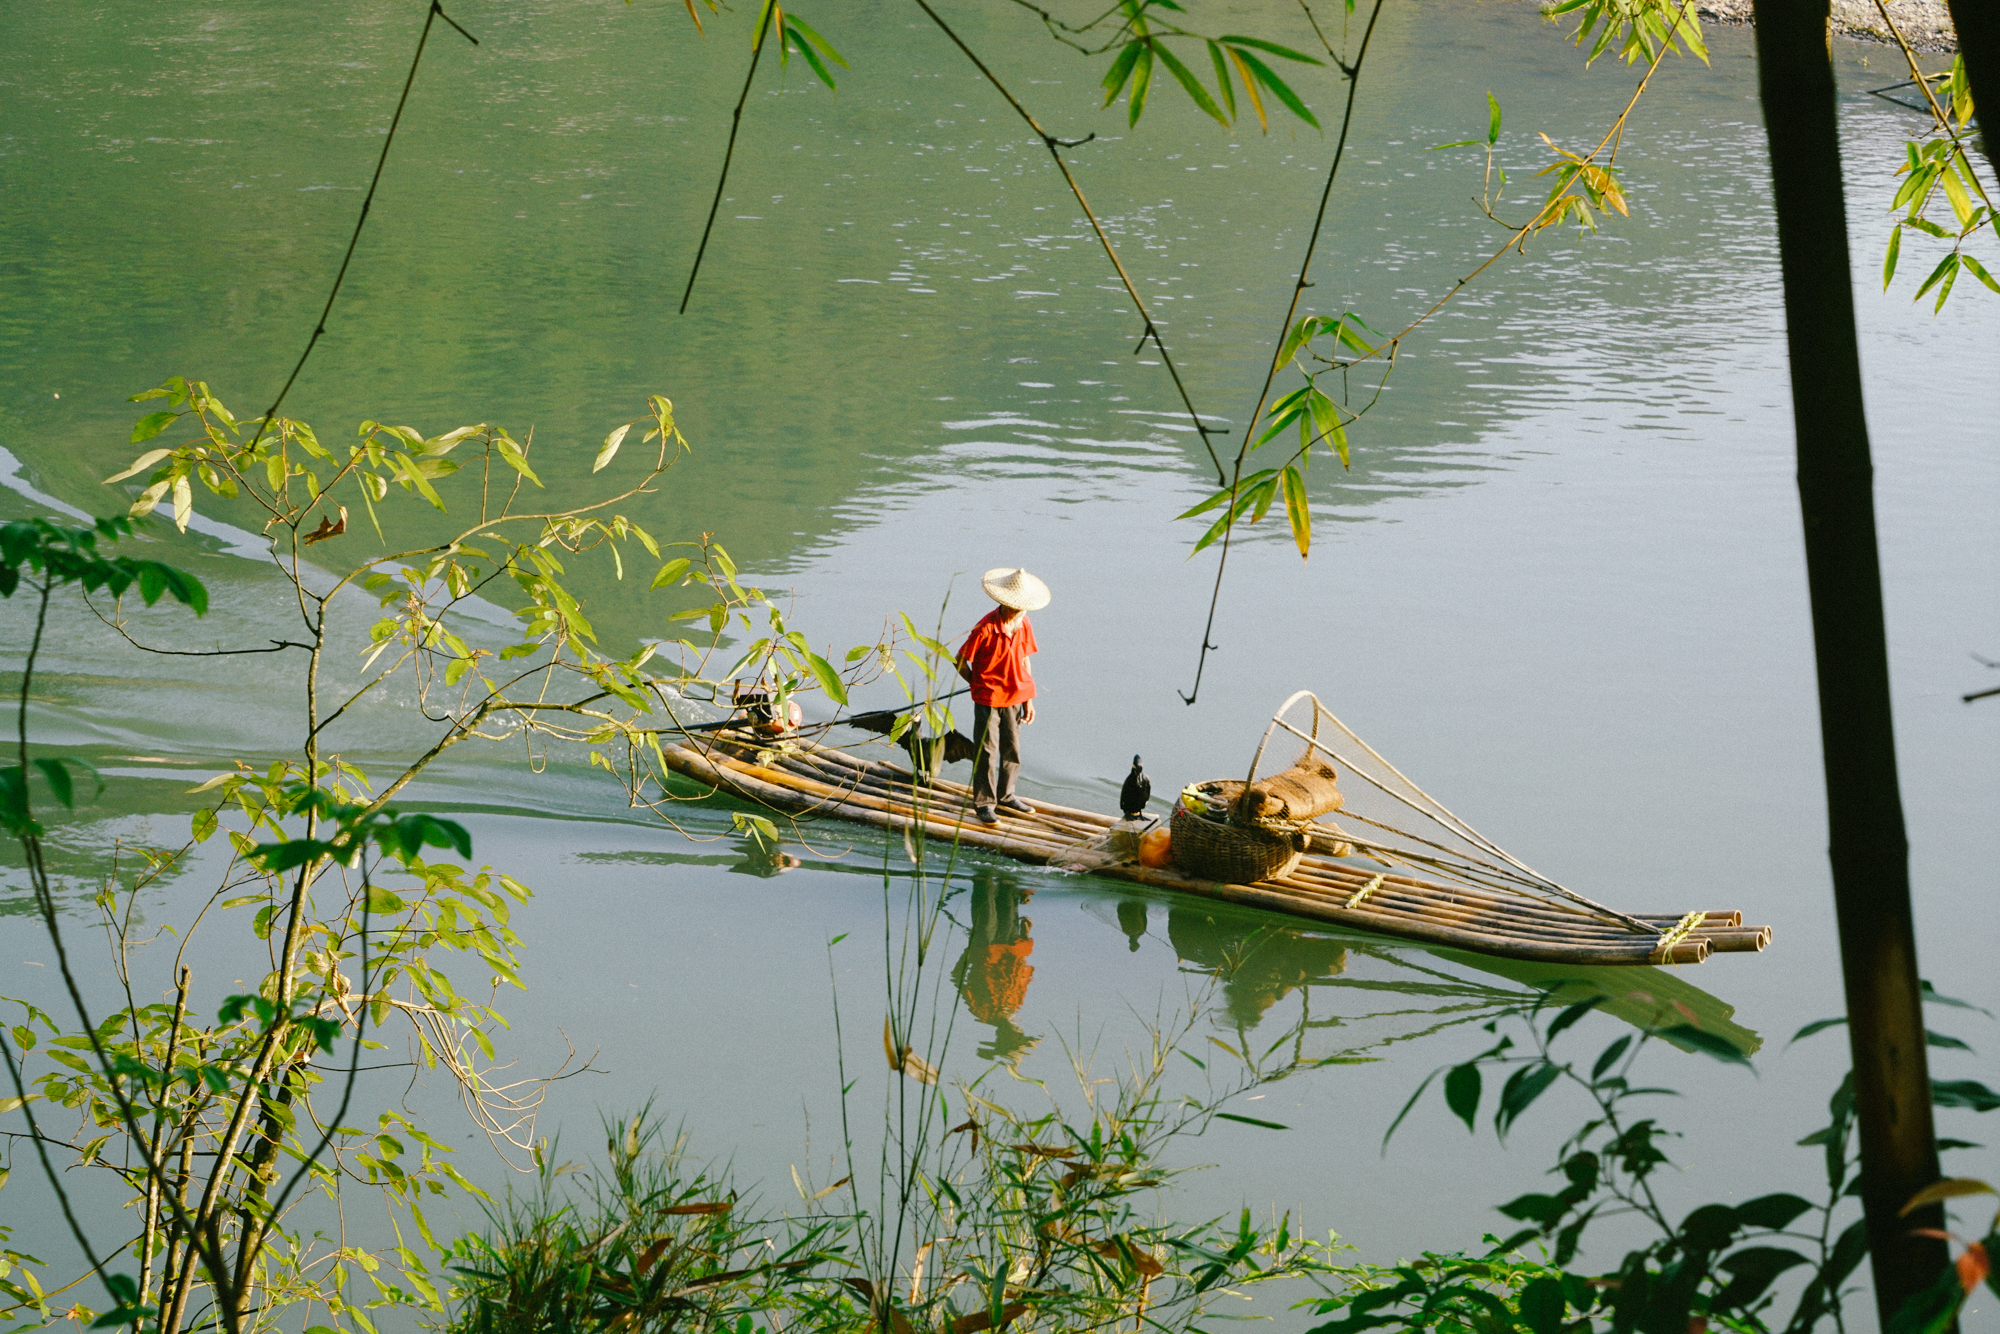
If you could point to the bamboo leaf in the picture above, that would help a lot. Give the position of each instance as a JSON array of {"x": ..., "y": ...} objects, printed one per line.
[
  {"x": 1222, "y": 82},
  {"x": 1218, "y": 498},
  {"x": 1889, "y": 259},
  {"x": 1944, "y": 268},
  {"x": 1187, "y": 80},
  {"x": 797, "y": 42},
  {"x": 1326, "y": 417},
  {"x": 1283, "y": 52},
  {"x": 1945, "y": 290},
  {"x": 1250, "y": 90},
  {"x": 1142, "y": 79},
  {"x": 1250, "y": 1121},
  {"x": 1979, "y": 271},
  {"x": 1297, "y": 512},
  {"x": 1954, "y": 191},
  {"x": 1279, "y": 88},
  {"x": 794, "y": 21},
  {"x": 1493, "y": 120},
  {"x": 1114, "y": 79},
  {"x": 1301, "y": 334},
  {"x": 1261, "y": 499}
]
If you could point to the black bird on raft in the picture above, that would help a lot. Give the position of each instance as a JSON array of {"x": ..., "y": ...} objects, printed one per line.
[{"x": 1138, "y": 790}]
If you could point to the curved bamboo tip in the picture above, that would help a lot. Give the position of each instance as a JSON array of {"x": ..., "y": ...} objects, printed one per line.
[
  {"x": 1695, "y": 949},
  {"x": 1738, "y": 940}
]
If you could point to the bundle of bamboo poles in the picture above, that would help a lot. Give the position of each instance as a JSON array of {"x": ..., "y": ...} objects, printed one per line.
[{"x": 808, "y": 780}]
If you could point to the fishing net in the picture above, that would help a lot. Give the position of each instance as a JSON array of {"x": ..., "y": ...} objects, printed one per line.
[{"x": 1391, "y": 822}]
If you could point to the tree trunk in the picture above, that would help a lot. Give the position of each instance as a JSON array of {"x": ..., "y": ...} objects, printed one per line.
[
  {"x": 1867, "y": 846},
  {"x": 1978, "y": 25}
]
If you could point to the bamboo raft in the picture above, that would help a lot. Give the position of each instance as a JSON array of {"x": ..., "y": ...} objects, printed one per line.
[{"x": 1468, "y": 900}]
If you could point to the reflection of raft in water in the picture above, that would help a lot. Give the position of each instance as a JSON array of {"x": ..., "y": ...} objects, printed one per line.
[{"x": 1446, "y": 885}]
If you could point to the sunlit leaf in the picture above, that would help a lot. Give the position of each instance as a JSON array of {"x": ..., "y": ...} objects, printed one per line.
[
  {"x": 609, "y": 450},
  {"x": 829, "y": 679},
  {"x": 151, "y": 425},
  {"x": 1297, "y": 511},
  {"x": 140, "y": 464},
  {"x": 1142, "y": 79},
  {"x": 1284, "y": 52},
  {"x": 1250, "y": 90},
  {"x": 1185, "y": 77},
  {"x": 1279, "y": 88}
]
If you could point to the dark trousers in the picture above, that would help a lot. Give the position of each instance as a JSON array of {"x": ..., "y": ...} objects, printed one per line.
[{"x": 996, "y": 730}]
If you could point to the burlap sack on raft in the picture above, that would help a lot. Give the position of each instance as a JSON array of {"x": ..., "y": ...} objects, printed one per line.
[{"x": 1305, "y": 791}]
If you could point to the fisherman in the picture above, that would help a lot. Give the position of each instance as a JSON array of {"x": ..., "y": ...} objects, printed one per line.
[{"x": 994, "y": 662}]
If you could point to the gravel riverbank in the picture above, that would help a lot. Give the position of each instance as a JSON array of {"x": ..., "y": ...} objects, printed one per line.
[{"x": 1925, "y": 24}]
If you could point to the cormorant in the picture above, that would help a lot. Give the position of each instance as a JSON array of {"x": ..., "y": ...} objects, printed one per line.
[{"x": 1138, "y": 790}]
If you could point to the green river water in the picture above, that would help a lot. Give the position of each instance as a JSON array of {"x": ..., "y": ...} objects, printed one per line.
[{"x": 1561, "y": 585}]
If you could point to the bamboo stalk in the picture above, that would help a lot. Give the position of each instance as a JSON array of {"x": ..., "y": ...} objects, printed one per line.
[
  {"x": 1062, "y": 823},
  {"x": 1517, "y": 908},
  {"x": 836, "y": 801},
  {"x": 1691, "y": 950},
  {"x": 696, "y": 766},
  {"x": 939, "y": 781},
  {"x": 942, "y": 825},
  {"x": 827, "y": 781},
  {"x": 1393, "y": 903}
]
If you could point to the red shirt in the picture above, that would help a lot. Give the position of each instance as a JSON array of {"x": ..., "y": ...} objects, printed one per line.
[{"x": 996, "y": 662}]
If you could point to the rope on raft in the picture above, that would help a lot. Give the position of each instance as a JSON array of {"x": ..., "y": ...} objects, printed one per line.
[{"x": 1668, "y": 939}]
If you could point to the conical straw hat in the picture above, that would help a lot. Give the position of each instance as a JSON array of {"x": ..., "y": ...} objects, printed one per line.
[{"x": 1015, "y": 588}]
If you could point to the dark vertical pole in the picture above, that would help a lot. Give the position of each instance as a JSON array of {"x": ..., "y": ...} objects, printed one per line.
[
  {"x": 1867, "y": 846},
  {"x": 1978, "y": 26}
]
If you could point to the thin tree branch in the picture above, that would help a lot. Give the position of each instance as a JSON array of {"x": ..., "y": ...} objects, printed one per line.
[
  {"x": 729, "y": 153},
  {"x": 1353, "y": 73},
  {"x": 1055, "y": 146},
  {"x": 435, "y": 12}
]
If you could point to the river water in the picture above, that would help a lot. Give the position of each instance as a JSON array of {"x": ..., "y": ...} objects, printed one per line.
[{"x": 1560, "y": 586}]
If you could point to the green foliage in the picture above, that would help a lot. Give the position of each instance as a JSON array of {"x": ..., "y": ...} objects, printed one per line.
[
  {"x": 638, "y": 1245},
  {"x": 1637, "y": 29},
  {"x": 1142, "y": 34},
  {"x": 219, "y": 1129},
  {"x": 1716, "y": 1266},
  {"x": 795, "y": 34},
  {"x": 63, "y": 556},
  {"x": 1940, "y": 168}
]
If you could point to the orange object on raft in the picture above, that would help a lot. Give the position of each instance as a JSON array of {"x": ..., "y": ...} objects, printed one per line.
[{"x": 1450, "y": 889}]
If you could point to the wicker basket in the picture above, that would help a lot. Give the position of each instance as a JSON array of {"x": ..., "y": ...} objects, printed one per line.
[{"x": 1231, "y": 853}]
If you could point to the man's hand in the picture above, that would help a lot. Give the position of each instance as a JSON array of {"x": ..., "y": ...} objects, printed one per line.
[{"x": 1027, "y": 713}]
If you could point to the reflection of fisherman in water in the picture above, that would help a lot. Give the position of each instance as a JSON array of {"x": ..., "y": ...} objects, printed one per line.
[
  {"x": 1258, "y": 965},
  {"x": 994, "y": 971}
]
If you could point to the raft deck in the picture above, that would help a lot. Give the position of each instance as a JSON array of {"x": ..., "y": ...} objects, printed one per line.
[{"x": 808, "y": 780}]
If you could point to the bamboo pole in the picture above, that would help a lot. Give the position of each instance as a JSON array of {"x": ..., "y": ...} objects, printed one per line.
[
  {"x": 1400, "y": 906},
  {"x": 1867, "y": 842},
  {"x": 697, "y": 766},
  {"x": 902, "y": 789},
  {"x": 991, "y": 837},
  {"x": 1691, "y": 950}
]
